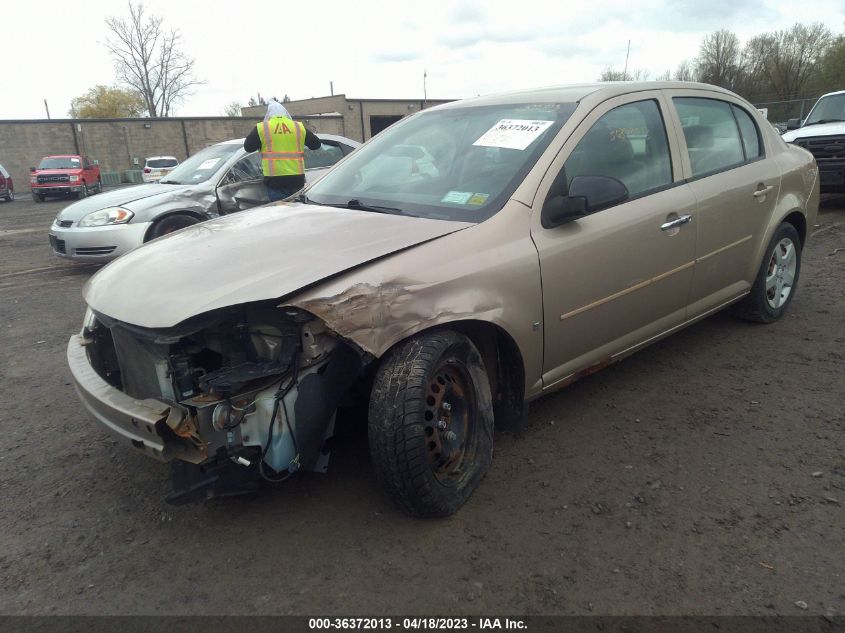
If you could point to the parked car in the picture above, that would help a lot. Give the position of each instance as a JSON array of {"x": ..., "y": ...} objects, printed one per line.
[
  {"x": 62, "y": 175},
  {"x": 157, "y": 167},
  {"x": 823, "y": 134},
  {"x": 218, "y": 180},
  {"x": 548, "y": 245},
  {"x": 7, "y": 187}
]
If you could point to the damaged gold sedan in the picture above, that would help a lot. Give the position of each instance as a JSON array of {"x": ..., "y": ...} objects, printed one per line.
[{"x": 468, "y": 259}]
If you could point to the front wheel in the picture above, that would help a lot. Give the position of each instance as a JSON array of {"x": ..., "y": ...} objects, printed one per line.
[
  {"x": 171, "y": 223},
  {"x": 38, "y": 197},
  {"x": 431, "y": 423},
  {"x": 82, "y": 193},
  {"x": 776, "y": 280},
  {"x": 10, "y": 197}
]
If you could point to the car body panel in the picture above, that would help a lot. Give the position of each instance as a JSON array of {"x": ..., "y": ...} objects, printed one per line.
[{"x": 252, "y": 243}]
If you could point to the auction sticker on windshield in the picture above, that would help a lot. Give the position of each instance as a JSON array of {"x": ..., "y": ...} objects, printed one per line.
[
  {"x": 513, "y": 133},
  {"x": 208, "y": 163}
]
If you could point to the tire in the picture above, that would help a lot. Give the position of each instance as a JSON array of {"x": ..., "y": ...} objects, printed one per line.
[
  {"x": 10, "y": 197},
  {"x": 99, "y": 187},
  {"x": 38, "y": 197},
  {"x": 82, "y": 193},
  {"x": 171, "y": 223},
  {"x": 776, "y": 280},
  {"x": 431, "y": 393}
]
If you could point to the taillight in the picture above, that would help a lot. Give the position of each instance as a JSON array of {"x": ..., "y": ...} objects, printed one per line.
[{"x": 147, "y": 170}]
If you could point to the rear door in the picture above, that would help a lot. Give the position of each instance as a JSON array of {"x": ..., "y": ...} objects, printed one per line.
[
  {"x": 736, "y": 186},
  {"x": 619, "y": 276},
  {"x": 318, "y": 161}
]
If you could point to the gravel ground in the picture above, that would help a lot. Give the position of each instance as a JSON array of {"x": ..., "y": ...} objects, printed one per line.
[{"x": 703, "y": 475}]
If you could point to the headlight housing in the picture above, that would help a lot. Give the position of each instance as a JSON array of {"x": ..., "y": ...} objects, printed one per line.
[
  {"x": 33, "y": 180},
  {"x": 105, "y": 217},
  {"x": 74, "y": 179}
]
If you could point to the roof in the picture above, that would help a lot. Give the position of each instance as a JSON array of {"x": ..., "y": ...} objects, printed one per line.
[{"x": 573, "y": 93}]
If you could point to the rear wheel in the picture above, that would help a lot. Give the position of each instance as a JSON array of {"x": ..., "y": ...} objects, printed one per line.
[
  {"x": 171, "y": 223},
  {"x": 99, "y": 186},
  {"x": 776, "y": 280},
  {"x": 431, "y": 423}
]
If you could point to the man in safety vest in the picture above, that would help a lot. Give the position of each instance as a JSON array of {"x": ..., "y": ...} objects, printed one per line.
[{"x": 281, "y": 141}]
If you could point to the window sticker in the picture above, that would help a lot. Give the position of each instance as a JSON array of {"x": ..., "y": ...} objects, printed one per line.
[
  {"x": 478, "y": 198},
  {"x": 209, "y": 163},
  {"x": 513, "y": 133},
  {"x": 457, "y": 197}
]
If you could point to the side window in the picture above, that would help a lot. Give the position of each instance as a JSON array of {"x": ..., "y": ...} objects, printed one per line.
[
  {"x": 247, "y": 168},
  {"x": 712, "y": 135},
  {"x": 749, "y": 132},
  {"x": 629, "y": 144},
  {"x": 326, "y": 156}
]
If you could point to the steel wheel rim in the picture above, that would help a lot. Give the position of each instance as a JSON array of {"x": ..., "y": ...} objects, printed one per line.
[
  {"x": 780, "y": 273},
  {"x": 449, "y": 421}
]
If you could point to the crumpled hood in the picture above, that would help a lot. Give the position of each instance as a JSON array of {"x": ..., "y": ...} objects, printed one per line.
[
  {"x": 255, "y": 255},
  {"x": 821, "y": 129},
  {"x": 118, "y": 198}
]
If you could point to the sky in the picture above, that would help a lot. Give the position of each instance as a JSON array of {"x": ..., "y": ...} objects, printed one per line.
[{"x": 373, "y": 49}]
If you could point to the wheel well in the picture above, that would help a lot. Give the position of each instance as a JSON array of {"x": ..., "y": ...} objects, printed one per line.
[
  {"x": 797, "y": 219},
  {"x": 192, "y": 214},
  {"x": 505, "y": 369}
]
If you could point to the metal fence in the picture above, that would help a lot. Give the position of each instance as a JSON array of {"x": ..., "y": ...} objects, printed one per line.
[{"x": 781, "y": 111}]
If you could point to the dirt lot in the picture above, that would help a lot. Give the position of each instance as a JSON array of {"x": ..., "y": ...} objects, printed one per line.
[{"x": 704, "y": 475}]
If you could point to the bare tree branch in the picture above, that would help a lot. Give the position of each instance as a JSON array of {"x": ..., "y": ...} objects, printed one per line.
[{"x": 150, "y": 60}]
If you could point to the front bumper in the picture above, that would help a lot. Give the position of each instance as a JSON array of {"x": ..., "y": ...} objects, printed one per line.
[
  {"x": 97, "y": 243},
  {"x": 137, "y": 423},
  {"x": 831, "y": 175},
  {"x": 56, "y": 190}
]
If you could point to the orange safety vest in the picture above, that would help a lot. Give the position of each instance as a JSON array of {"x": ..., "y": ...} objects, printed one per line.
[{"x": 282, "y": 147}]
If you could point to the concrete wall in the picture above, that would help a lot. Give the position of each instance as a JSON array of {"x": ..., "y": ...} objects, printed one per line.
[{"x": 117, "y": 143}]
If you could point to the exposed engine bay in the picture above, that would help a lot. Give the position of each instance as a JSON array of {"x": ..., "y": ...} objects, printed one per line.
[{"x": 253, "y": 391}]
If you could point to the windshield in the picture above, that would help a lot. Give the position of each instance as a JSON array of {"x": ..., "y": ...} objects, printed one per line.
[
  {"x": 452, "y": 164},
  {"x": 60, "y": 162},
  {"x": 202, "y": 165},
  {"x": 830, "y": 108},
  {"x": 162, "y": 162}
]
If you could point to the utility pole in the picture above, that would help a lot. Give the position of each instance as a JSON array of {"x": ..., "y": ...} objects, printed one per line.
[
  {"x": 625, "y": 72},
  {"x": 425, "y": 95},
  {"x": 331, "y": 87},
  {"x": 46, "y": 107}
]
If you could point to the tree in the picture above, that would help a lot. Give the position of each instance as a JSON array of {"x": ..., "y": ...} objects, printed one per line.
[
  {"x": 107, "y": 102},
  {"x": 233, "y": 109},
  {"x": 253, "y": 101},
  {"x": 611, "y": 74},
  {"x": 786, "y": 61},
  {"x": 150, "y": 60},
  {"x": 719, "y": 60},
  {"x": 685, "y": 72}
]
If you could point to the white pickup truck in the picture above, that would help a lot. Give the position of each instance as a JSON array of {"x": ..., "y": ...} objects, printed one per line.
[{"x": 823, "y": 134}]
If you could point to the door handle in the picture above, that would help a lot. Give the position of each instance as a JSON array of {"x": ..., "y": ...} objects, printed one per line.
[
  {"x": 671, "y": 224},
  {"x": 762, "y": 192}
]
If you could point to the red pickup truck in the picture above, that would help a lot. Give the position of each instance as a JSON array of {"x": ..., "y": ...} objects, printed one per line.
[{"x": 62, "y": 175}]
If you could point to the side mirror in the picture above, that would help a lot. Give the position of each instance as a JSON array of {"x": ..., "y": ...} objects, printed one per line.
[
  {"x": 32, "y": 169},
  {"x": 793, "y": 124},
  {"x": 587, "y": 194}
]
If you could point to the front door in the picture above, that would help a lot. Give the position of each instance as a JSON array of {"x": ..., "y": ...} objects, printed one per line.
[
  {"x": 621, "y": 275},
  {"x": 243, "y": 186}
]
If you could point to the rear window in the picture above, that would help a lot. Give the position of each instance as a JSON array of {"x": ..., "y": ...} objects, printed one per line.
[{"x": 158, "y": 163}]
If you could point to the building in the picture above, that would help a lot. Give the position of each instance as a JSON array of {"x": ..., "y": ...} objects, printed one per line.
[{"x": 358, "y": 119}]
